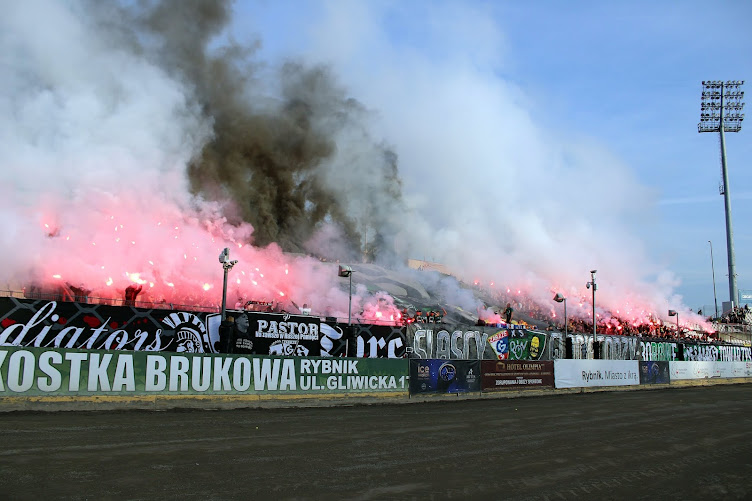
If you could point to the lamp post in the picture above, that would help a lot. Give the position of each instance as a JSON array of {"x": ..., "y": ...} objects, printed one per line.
[
  {"x": 591, "y": 285},
  {"x": 674, "y": 313},
  {"x": 346, "y": 271},
  {"x": 721, "y": 112},
  {"x": 224, "y": 260},
  {"x": 712, "y": 267},
  {"x": 561, "y": 299}
]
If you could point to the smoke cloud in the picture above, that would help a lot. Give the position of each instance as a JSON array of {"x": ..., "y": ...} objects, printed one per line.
[{"x": 141, "y": 138}]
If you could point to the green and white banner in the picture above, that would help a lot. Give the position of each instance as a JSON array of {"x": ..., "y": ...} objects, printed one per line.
[{"x": 39, "y": 371}]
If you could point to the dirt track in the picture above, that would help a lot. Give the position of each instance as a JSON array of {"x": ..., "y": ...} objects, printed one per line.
[{"x": 689, "y": 443}]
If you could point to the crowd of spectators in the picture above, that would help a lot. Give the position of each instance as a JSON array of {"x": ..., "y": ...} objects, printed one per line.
[
  {"x": 737, "y": 315},
  {"x": 531, "y": 312}
]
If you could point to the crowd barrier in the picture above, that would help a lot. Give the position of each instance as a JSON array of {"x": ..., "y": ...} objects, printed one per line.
[
  {"x": 40, "y": 373},
  {"x": 72, "y": 350}
]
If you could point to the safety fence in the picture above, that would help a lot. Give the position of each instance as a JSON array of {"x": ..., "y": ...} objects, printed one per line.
[{"x": 40, "y": 372}]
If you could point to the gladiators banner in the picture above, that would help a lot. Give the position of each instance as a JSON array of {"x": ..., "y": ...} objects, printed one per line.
[
  {"x": 47, "y": 372},
  {"x": 463, "y": 342},
  {"x": 52, "y": 324},
  {"x": 73, "y": 325}
]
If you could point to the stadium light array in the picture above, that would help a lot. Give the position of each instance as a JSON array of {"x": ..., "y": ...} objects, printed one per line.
[{"x": 721, "y": 111}]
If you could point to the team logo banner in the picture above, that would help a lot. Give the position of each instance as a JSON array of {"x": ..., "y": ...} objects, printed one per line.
[
  {"x": 499, "y": 343},
  {"x": 527, "y": 345},
  {"x": 516, "y": 375},
  {"x": 654, "y": 373},
  {"x": 444, "y": 376},
  {"x": 39, "y": 372}
]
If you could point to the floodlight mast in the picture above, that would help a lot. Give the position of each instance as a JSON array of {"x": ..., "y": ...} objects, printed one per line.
[{"x": 721, "y": 112}]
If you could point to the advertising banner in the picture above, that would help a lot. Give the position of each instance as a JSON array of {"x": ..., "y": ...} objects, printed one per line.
[
  {"x": 444, "y": 376},
  {"x": 594, "y": 373},
  {"x": 709, "y": 369},
  {"x": 741, "y": 369},
  {"x": 39, "y": 371},
  {"x": 516, "y": 375},
  {"x": 654, "y": 373}
]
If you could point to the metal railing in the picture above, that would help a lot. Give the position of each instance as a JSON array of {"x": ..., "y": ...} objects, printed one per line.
[{"x": 161, "y": 305}]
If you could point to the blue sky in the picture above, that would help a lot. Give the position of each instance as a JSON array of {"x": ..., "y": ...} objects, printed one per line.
[{"x": 604, "y": 94}]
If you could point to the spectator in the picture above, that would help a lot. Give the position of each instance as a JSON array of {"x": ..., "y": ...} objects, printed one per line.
[
  {"x": 242, "y": 342},
  {"x": 131, "y": 293},
  {"x": 508, "y": 311}
]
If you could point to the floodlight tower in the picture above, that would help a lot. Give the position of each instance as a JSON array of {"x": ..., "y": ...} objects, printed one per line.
[{"x": 721, "y": 112}]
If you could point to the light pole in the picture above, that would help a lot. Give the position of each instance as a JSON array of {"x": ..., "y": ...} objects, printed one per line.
[
  {"x": 561, "y": 299},
  {"x": 712, "y": 268},
  {"x": 224, "y": 260},
  {"x": 674, "y": 313},
  {"x": 591, "y": 285},
  {"x": 721, "y": 112},
  {"x": 346, "y": 271}
]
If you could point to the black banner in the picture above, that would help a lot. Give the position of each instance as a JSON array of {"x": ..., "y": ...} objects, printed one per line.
[
  {"x": 283, "y": 334},
  {"x": 654, "y": 373},
  {"x": 55, "y": 324},
  {"x": 456, "y": 342},
  {"x": 444, "y": 376},
  {"x": 52, "y": 324},
  {"x": 377, "y": 341}
]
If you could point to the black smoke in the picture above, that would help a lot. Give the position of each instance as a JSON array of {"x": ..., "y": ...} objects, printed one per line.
[{"x": 290, "y": 150}]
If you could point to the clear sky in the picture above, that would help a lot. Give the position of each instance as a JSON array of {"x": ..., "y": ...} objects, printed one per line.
[{"x": 618, "y": 83}]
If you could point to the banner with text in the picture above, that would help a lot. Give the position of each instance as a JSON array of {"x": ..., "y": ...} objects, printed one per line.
[
  {"x": 516, "y": 375},
  {"x": 709, "y": 369},
  {"x": 464, "y": 342},
  {"x": 377, "y": 341},
  {"x": 594, "y": 373},
  {"x": 39, "y": 371},
  {"x": 53, "y": 324},
  {"x": 444, "y": 376}
]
